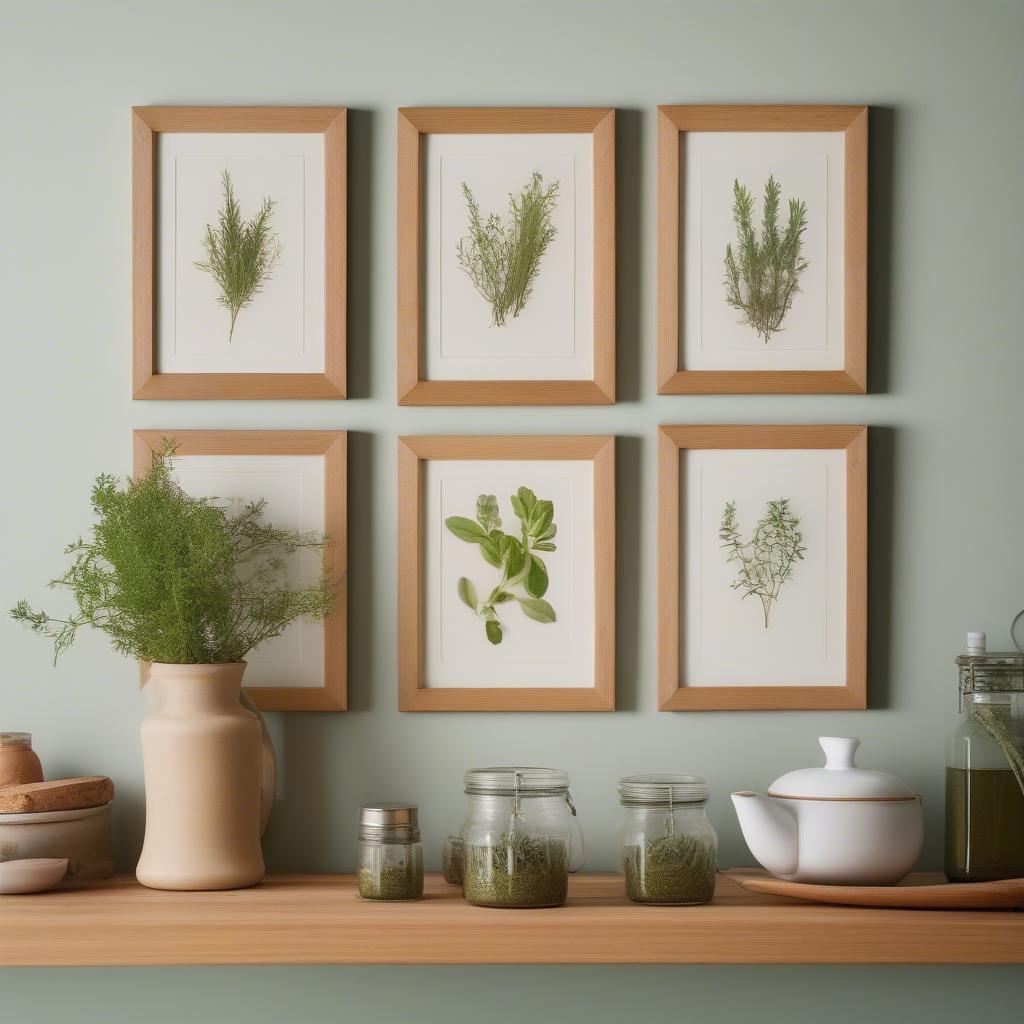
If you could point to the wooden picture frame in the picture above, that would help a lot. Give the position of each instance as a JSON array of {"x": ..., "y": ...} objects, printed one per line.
[
  {"x": 414, "y": 125},
  {"x": 673, "y": 123},
  {"x": 673, "y": 693},
  {"x": 413, "y": 694},
  {"x": 332, "y": 446},
  {"x": 148, "y": 125}
]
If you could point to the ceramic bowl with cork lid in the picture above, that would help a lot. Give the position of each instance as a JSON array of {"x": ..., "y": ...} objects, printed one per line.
[{"x": 67, "y": 819}]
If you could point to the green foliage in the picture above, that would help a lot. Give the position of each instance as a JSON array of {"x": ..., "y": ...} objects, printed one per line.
[
  {"x": 176, "y": 579},
  {"x": 240, "y": 254},
  {"x": 502, "y": 258},
  {"x": 768, "y": 559},
  {"x": 524, "y": 576},
  {"x": 762, "y": 276}
]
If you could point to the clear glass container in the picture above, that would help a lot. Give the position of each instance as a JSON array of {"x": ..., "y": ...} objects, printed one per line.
[
  {"x": 390, "y": 854},
  {"x": 669, "y": 848},
  {"x": 453, "y": 857},
  {"x": 521, "y": 838},
  {"x": 985, "y": 771}
]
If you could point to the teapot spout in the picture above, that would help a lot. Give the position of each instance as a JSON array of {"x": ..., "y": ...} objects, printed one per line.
[{"x": 770, "y": 830}]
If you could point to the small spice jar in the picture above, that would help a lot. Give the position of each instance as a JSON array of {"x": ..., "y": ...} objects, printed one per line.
[
  {"x": 390, "y": 855},
  {"x": 669, "y": 849},
  {"x": 521, "y": 837},
  {"x": 19, "y": 763},
  {"x": 453, "y": 858}
]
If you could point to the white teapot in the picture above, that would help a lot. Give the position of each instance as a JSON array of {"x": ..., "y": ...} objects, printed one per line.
[{"x": 837, "y": 825}]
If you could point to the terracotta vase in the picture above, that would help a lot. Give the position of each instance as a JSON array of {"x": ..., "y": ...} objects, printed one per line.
[{"x": 203, "y": 758}]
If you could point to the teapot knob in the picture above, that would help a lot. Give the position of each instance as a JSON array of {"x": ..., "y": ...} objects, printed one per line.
[{"x": 839, "y": 751}]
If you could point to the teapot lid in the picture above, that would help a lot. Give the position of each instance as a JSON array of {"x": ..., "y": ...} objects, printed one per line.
[{"x": 840, "y": 779}]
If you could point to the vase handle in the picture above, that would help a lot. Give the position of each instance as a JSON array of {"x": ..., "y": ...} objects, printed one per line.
[{"x": 268, "y": 763}]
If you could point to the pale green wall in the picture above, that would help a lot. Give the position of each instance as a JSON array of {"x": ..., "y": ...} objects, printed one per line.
[{"x": 946, "y": 85}]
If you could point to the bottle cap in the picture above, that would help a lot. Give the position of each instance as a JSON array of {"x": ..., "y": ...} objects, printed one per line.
[{"x": 976, "y": 643}]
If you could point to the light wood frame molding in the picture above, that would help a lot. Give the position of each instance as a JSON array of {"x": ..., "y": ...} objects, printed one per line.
[
  {"x": 673, "y": 694},
  {"x": 412, "y": 694},
  {"x": 150, "y": 122},
  {"x": 413, "y": 124},
  {"x": 673, "y": 121},
  {"x": 333, "y": 446}
]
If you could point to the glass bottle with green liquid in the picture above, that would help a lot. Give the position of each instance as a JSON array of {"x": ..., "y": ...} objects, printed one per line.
[{"x": 985, "y": 766}]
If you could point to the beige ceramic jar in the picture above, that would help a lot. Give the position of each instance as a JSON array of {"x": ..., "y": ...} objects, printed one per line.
[
  {"x": 19, "y": 763},
  {"x": 202, "y": 754}
]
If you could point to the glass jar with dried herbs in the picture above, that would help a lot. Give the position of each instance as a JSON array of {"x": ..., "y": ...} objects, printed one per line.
[
  {"x": 669, "y": 848},
  {"x": 390, "y": 856},
  {"x": 521, "y": 838},
  {"x": 985, "y": 768},
  {"x": 453, "y": 856}
]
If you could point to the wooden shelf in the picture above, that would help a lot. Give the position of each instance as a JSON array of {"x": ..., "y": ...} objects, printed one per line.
[{"x": 318, "y": 919}]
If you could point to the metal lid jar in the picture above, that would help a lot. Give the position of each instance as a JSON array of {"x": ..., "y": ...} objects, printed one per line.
[
  {"x": 669, "y": 849},
  {"x": 985, "y": 765},
  {"x": 521, "y": 838},
  {"x": 390, "y": 855}
]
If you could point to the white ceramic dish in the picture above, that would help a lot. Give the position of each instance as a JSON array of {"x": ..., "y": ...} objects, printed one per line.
[
  {"x": 837, "y": 825},
  {"x": 34, "y": 875},
  {"x": 82, "y": 835}
]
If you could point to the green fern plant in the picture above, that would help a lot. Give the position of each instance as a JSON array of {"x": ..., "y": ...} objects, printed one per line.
[
  {"x": 240, "y": 254},
  {"x": 524, "y": 576},
  {"x": 502, "y": 258},
  {"x": 762, "y": 275},
  {"x": 768, "y": 559},
  {"x": 176, "y": 579}
]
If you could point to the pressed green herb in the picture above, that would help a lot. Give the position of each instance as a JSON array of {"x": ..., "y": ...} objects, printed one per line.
[
  {"x": 502, "y": 258},
  {"x": 524, "y": 575},
  {"x": 518, "y": 870},
  {"x": 240, "y": 254},
  {"x": 671, "y": 869},
  {"x": 177, "y": 579},
  {"x": 453, "y": 860},
  {"x": 395, "y": 882},
  {"x": 768, "y": 559},
  {"x": 762, "y": 275}
]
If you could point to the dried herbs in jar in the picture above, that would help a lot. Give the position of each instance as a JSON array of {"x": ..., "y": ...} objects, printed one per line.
[{"x": 669, "y": 849}]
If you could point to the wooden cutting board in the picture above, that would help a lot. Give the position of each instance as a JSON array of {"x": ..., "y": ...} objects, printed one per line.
[
  {"x": 916, "y": 892},
  {"x": 59, "y": 795}
]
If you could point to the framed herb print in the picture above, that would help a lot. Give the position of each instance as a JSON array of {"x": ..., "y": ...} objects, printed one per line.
[
  {"x": 238, "y": 257},
  {"x": 301, "y": 474},
  {"x": 506, "y": 256},
  {"x": 762, "y": 249},
  {"x": 762, "y": 567},
  {"x": 506, "y": 580}
]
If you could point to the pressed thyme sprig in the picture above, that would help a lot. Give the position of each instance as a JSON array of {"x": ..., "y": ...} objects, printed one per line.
[
  {"x": 176, "y": 579},
  {"x": 766, "y": 560},
  {"x": 240, "y": 254},
  {"x": 521, "y": 566},
  {"x": 762, "y": 276},
  {"x": 503, "y": 258}
]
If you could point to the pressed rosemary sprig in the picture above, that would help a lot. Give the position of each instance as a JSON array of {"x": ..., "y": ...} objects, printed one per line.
[
  {"x": 524, "y": 576},
  {"x": 177, "y": 579},
  {"x": 766, "y": 560},
  {"x": 502, "y": 258},
  {"x": 240, "y": 254},
  {"x": 762, "y": 276}
]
